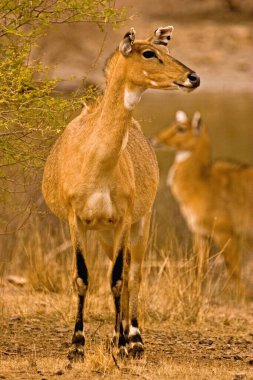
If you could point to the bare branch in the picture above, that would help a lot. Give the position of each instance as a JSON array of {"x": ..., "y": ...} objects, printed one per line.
[{"x": 4, "y": 134}]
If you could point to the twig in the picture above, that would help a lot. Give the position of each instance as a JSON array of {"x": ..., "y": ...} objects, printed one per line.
[
  {"x": 95, "y": 63},
  {"x": 99, "y": 326},
  {"x": 56, "y": 251},
  {"x": 115, "y": 362},
  {"x": 8, "y": 353},
  {"x": 27, "y": 209},
  {"x": 10, "y": 133}
]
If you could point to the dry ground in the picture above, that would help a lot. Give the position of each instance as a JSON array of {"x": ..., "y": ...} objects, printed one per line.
[{"x": 36, "y": 329}]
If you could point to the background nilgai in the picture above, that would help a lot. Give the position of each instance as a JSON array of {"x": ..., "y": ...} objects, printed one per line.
[{"x": 215, "y": 197}]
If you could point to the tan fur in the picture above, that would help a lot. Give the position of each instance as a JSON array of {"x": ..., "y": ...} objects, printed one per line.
[
  {"x": 102, "y": 173},
  {"x": 216, "y": 198}
]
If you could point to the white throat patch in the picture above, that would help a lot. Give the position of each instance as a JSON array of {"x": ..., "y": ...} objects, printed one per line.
[
  {"x": 131, "y": 98},
  {"x": 182, "y": 155}
]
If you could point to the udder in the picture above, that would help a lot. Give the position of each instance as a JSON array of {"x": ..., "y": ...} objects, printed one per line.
[{"x": 99, "y": 211}]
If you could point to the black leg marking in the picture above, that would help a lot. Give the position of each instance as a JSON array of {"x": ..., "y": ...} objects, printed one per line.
[
  {"x": 116, "y": 285},
  {"x": 81, "y": 266},
  {"x": 122, "y": 339},
  {"x": 82, "y": 273},
  {"x": 117, "y": 269},
  {"x": 78, "y": 338},
  {"x": 135, "y": 342},
  {"x": 77, "y": 350}
]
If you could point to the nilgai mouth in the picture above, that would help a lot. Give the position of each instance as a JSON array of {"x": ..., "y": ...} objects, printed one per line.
[
  {"x": 192, "y": 82},
  {"x": 158, "y": 145}
]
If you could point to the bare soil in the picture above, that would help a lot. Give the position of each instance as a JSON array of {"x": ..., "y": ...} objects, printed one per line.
[{"x": 36, "y": 330}]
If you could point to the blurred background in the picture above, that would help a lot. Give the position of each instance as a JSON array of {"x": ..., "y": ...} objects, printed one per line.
[{"x": 212, "y": 37}]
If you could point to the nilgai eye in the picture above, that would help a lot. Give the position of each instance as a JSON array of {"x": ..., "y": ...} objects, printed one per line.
[
  {"x": 180, "y": 129},
  {"x": 148, "y": 54}
]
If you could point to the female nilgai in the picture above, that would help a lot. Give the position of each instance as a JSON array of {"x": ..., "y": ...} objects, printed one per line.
[
  {"x": 102, "y": 175},
  {"x": 216, "y": 198}
]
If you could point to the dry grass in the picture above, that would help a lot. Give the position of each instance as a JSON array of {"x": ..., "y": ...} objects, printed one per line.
[
  {"x": 42, "y": 254},
  {"x": 186, "y": 334}
]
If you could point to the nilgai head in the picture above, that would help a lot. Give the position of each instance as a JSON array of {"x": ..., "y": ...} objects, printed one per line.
[
  {"x": 148, "y": 63},
  {"x": 184, "y": 134}
]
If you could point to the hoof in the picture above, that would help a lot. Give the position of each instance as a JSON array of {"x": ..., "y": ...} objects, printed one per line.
[
  {"x": 76, "y": 353},
  {"x": 122, "y": 352},
  {"x": 136, "y": 350}
]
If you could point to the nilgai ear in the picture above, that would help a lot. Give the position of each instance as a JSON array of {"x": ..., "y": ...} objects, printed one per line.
[
  {"x": 196, "y": 123},
  {"x": 162, "y": 35},
  {"x": 125, "y": 46},
  {"x": 181, "y": 117}
]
